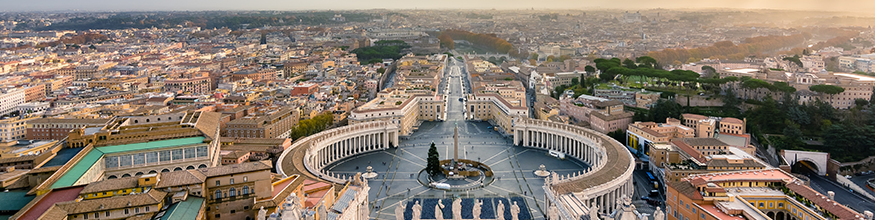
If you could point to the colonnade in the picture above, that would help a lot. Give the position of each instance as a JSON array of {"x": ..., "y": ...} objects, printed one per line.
[
  {"x": 606, "y": 157},
  {"x": 336, "y": 144}
]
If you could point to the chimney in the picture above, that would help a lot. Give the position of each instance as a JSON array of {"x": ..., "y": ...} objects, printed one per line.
[{"x": 831, "y": 194}]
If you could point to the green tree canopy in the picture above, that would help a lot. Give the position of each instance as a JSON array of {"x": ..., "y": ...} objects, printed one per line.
[
  {"x": 827, "y": 89},
  {"x": 432, "y": 166},
  {"x": 589, "y": 69}
]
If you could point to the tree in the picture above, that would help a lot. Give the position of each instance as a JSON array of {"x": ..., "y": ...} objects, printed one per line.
[
  {"x": 433, "y": 166},
  {"x": 646, "y": 61},
  {"x": 381, "y": 70},
  {"x": 794, "y": 59},
  {"x": 629, "y": 64},
  {"x": 618, "y": 135},
  {"x": 447, "y": 41},
  {"x": 861, "y": 103},
  {"x": 575, "y": 81},
  {"x": 535, "y": 56},
  {"x": 827, "y": 89},
  {"x": 590, "y": 69},
  {"x": 664, "y": 109},
  {"x": 731, "y": 103},
  {"x": 708, "y": 70}
]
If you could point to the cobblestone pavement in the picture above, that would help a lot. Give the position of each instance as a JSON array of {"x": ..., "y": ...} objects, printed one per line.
[{"x": 398, "y": 167}]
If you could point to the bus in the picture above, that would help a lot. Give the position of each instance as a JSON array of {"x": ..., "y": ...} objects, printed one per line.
[
  {"x": 557, "y": 154},
  {"x": 652, "y": 179}
]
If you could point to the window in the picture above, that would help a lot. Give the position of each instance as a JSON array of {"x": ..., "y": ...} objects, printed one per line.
[
  {"x": 232, "y": 192},
  {"x": 85, "y": 216},
  {"x": 107, "y": 213},
  {"x": 780, "y": 205},
  {"x": 245, "y": 190},
  {"x": 218, "y": 194},
  {"x": 232, "y": 181},
  {"x": 127, "y": 211},
  {"x": 217, "y": 216},
  {"x": 96, "y": 215},
  {"x": 233, "y": 211},
  {"x": 137, "y": 210},
  {"x": 218, "y": 183},
  {"x": 147, "y": 208},
  {"x": 245, "y": 179}
]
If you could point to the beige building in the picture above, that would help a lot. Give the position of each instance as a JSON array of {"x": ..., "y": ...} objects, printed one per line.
[
  {"x": 855, "y": 86},
  {"x": 403, "y": 108},
  {"x": 266, "y": 122},
  {"x": 601, "y": 114}
]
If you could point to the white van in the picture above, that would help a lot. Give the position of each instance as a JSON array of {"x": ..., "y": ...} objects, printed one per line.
[{"x": 557, "y": 154}]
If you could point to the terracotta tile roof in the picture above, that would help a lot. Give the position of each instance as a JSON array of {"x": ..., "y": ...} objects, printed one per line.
[
  {"x": 42, "y": 203},
  {"x": 686, "y": 148},
  {"x": 694, "y": 116},
  {"x": 93, "y": 205},
  {"x": 236, "y": 168},
  {"x": 686, "y": 188},
  {"x": 180, "y": 178},
  {"x": 18, "y": 159},
  {"x": 841, "y": 211},
  {"x": 208, "y": 123},
  {"x": 731, "y": 120},
  {"x": 110, "y": 185},
  {"x": 726, "y": 163}
]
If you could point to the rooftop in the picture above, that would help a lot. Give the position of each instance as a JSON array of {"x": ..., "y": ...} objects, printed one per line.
[
  {"x": 188, "y": 209},
  {"x": 78, "y": 170}
]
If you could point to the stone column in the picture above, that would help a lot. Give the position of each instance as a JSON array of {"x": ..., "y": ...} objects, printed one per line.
[{"x": 516, "y": 137}]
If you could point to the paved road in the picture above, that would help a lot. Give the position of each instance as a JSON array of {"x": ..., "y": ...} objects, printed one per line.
[
  {"x": 642, "y": 188},
  {"x": 398, "y": 168},
  {"x": 842, "y": 195}
]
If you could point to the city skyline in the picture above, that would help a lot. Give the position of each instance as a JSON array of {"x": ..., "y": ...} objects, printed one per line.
[{"x": 859, "y": 6}]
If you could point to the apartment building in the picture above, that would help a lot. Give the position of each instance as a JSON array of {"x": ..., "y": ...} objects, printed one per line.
[
  {"x": 602, "y": 115},
  {"x": 264, "y": 122}
]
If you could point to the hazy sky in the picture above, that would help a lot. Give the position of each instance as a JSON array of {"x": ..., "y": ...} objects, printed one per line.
[{"x": 145, "y": 5}]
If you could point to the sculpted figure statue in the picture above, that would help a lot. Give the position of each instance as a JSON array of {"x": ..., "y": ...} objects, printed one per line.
[
  {"x": 399, "y": 211},
  {"x": 594, "y": 212},
  {"x": 476, "y": 209},
  {"x": 438, "y": 210},
  {"x": 262, "y": 214},
  {"x": 514, "y": 211},
  {"x": 417, "y": 211},
  {"x": 499, "y": 211},
  {"x": 457, "y": 209},
  {"x": 658, "y": 214}
]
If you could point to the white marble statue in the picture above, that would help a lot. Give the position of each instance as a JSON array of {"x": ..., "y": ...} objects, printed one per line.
[
  {"x": 417, "y": 211},
  {"x": 514, "y": 211},
  {"x": 658, "y": 215},
  {"x": 457, "y": 209},
  {"x": 399, "y": 211},
  {"x": 438, "y": 210},
  {"x": 499, "y": 212},
  {"x": 553, "y": 213},
  {"x": 322, "y": 210},
  {"x": 262, "y": 214},
  {"x": 476, "y": 210},
  {"x": 594, "y": 212}
]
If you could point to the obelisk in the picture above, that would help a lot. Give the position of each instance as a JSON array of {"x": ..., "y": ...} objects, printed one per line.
[{"x": 456, "y": 148}]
